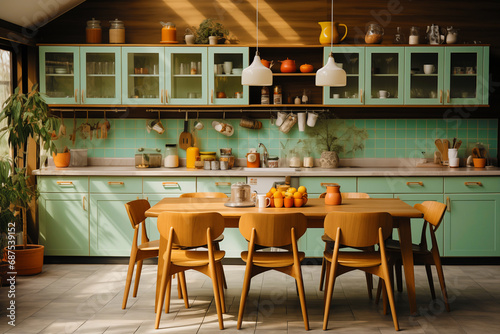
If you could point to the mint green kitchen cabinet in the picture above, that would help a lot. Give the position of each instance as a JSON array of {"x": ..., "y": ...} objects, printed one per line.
[
  {"x": 186, "y": 75},
  {"x": 472, "y": 220},
  {"x": 110, "y": 229},
  {"x": 420, "y": 87},
  {"x": 406, "y": 184},
  {"x": 352, "y": 60},
  {"x": 64, "y": 215},
  {"x": 384, "y": 72},
  {"x": 60, "y": 74},
  {"x": 143, "y": 75},
  {"x": 228, "y": 83}
]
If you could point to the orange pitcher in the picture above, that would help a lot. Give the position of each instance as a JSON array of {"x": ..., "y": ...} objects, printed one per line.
[
  {"x": 326, "y": 33},
  {"x": 333, "y": 195}
]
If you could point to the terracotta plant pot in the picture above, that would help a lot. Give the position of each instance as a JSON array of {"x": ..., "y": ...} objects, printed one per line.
[
  {"x": 61, "y": 160},
  {"x": 479, "y": 162},
  {"x": 29, "y": 260},
  {"x": 329, "y": 159}
]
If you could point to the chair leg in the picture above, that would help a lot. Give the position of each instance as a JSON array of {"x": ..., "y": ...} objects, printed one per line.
[
  {"x": 390, "y": 295},
  {"x": 220, "y": 274},
  {"x": 329, "y": 293},
  {"x": 167, "y": 297},
  {"x": 244, "y": 293},
  {"x": 181, "y": 281},
  {"x": 302, "y": 297},
  {"x": 128, "y": 281},
  {"x": 439, "y": 269},
  {"x": 379, "y": 291},
  {"x": 369, "y": 284},
  {"x": 161, "y": 296},
  {"x": 138, "y": 272},
  {"x": 430, "y": 280},
  {"x": 399, "y": 275},
  {"x": 217, "y": 248},
  {"x": 322, "y": 275},
  {"x": 215, "y": 284}
]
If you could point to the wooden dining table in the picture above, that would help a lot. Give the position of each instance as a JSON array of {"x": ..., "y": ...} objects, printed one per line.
[{"x": 315, "y": 210}]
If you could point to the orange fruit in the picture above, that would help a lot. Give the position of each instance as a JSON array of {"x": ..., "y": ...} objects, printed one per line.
[
  {"x": 288, "y": 201},
  {"x": 297, "y": 195},
  {"x": 298, "y": 202},
  {"x": 302, "y": 189},
  {"x": 291, "y": 190},
  {"x": 278, "y": 195},
  {"x": 273, "y": 190},
  {"x": 278, "y": 202},
  {"x": 304, "y": 197},
  {"x": 269, "y": 194}
]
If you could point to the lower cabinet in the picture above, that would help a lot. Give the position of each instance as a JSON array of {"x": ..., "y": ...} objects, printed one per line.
[{"x": 64, "y": 223}]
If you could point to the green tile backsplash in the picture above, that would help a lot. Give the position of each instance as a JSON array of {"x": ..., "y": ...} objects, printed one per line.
[{"x": 387, "y": 138}]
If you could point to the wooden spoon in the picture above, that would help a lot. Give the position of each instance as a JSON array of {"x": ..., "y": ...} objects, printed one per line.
[
  {"x": 446, "y": 146},
  {"x": 185, "y": 139}
]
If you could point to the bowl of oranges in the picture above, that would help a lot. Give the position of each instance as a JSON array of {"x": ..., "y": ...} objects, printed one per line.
[{"x": 289, "y": 198}]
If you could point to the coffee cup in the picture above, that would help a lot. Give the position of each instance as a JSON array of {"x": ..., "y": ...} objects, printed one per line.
[
  {"x": 383, "y": 94},
  {"x": 336, "y": 96},
  {"x": 312, "y": 117},
  {"x": 228, "y": 67},
  {"x": 301, "y": 120},
  {"x": 280, "y": 118},
  {"x": 263, "y": 201},
  {"x": 429, "y": 68}
]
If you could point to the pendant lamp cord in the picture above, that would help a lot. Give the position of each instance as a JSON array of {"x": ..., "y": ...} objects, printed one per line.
[
  {"x": 331, "y": 31},
  {"x": 257, "y": 26}
]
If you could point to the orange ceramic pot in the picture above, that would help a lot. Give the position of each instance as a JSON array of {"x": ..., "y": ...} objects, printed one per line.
[
  {"x": 306, "y": 68},
  {"x": 333, "y": 196},
  {"x": 288, "y": 66},
  {"x": 61, "y": 159},
  {"x": 479, "y": 162}
]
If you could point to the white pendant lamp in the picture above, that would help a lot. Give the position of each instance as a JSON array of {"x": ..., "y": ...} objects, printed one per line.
[
  {"x": 257, "y": 74},
  {"x": 331, "y": 74}
]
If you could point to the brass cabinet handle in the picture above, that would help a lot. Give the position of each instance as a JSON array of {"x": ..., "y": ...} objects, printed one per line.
[
  {"x": 420, "y": 183},
  {"x": 76, "y": 95},
  {"x": 361, "y": 95},
  {"x": 326, "y": 184},
  {"x": 222, "y": 184},
  {"x": 115, "y": 183},
  {"x": 212, "y": 96},
  {"x": 448, "y": 96},
  {"x": 166, "y": 95},
  {"x": 448, "y": 206},
  {"x": 170, "y": 184},
  {"x": 474, "y": 183},
  {"x": 64, "y": 183},
  {"x": 83, "y": 203},
  {"x": 161, "y": 96},
  {"x": 440, "y": 96},
  {"x": 83, "y": 94}
]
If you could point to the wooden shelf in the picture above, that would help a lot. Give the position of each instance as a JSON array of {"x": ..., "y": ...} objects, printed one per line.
[{"x": 295, "y": 74}]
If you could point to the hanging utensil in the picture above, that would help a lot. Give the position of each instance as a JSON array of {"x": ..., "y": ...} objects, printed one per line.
[
  {"x": 457, "y": 144},
  {"x": 62, "y": 127},
  {"x": 185, "y": 139},
  {"x": 446, "y": 146},
  {"x": 73, "y": 136}
]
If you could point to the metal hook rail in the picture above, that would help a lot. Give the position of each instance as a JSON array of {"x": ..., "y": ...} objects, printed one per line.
[
  {"x": 87, "y": 109},
  {"x": 271, "y": 110}
]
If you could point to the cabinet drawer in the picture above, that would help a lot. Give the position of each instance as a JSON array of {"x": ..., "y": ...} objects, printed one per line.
[
  {"x": 63, "y": 184},
  {"x": 116, "y": 185},
  {"x": 400, "y": 185},
  {"x": 481, "y": 184},
  {"x": 217, "y": 184},
  {"x": 169, "y": 185},
  {"x": 317, "y": 185}
]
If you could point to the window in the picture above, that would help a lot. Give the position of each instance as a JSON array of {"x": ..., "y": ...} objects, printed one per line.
[{"x": 5, "y": 91}]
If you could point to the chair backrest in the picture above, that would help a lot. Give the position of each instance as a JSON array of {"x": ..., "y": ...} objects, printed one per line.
[
  {"x": 349, "y": 195},
  {"x": 433, "y": 211},
  {"x": 136, "y": 210},
  {"x": 190, "y": 229},
  {"x": 273, "y": 230},
  {"x": 358, "y": 229},
  {"x": 205, "y": 195}
]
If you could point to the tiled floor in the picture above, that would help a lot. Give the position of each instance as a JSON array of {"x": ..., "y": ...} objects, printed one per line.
[{"x": 87, "y": 299}]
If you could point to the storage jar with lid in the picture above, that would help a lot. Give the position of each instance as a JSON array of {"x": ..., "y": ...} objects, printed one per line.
[
  {"x": 294, "y": 160},
  {"x": 208, "y": 156},
  {"x": 374, "y": 34},
  {"x": 116, "y": 32},
  {"x": 94, "y": 32},
  {"x": 253, "y": 158},
  {"x": 168, "y": 32},
  {"x": 148, "y": 158},
  {"x": 171, "y": 156},
  {"x": 273, "y": 162},
  {"x": 229, "y": 158},
  {"x": 192, "y": 154}
]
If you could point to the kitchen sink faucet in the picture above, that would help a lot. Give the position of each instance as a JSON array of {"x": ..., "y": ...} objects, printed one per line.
[{"x": 265, "y": 155}]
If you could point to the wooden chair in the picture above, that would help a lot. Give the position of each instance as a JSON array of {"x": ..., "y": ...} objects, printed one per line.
[
  {"x": 205, "y": 195},
  {"x": 433, "y": 215},
  {"x": 145, "y": 250},
  {"x": 358, "y": 230},
  {"x": 273, "y": 230},
  {"x": 190, "y": 230},
  {"x": 329, "y": 246}
]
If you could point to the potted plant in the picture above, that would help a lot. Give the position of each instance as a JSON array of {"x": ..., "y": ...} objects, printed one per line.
[
  {"x": 333, "y": 137},
  {"x": 209, "y": 27},
  {"x": 26, "y": 115}
]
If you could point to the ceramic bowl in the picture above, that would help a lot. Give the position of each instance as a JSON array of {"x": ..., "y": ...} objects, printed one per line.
[{"x": 237, "y": 71}]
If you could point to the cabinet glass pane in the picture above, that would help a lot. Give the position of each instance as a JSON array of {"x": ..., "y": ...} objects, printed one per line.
[
  {"x": 384, "y": 75},
  {"x": 100, "y": 75},
  {"x": 424, "y": 69},
  {"x": 187, "y": 76},
  {"x": 350, "y": 62},
  {"x": 143, "y": 78},
  {"x": 59, "y": 74},
  {"x": 227, "y": 83},
  {"x": 463, "y": 76}
]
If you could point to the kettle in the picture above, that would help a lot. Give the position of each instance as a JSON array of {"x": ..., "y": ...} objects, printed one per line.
[
  {"x": 240, "y": 196},
  {"x": 288, "y": 66}
]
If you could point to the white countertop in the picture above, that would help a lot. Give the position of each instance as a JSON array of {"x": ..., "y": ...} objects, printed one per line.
[{"x": 243, "y": 171}]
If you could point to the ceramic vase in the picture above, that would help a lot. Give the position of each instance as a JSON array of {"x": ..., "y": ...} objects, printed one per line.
[
  {"x": 329, "y": 159},
  {"x": 333, "y": 196}
]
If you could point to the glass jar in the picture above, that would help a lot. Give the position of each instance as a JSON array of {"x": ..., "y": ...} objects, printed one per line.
[
  {"x": 94, "y": 32},
  {"x": 374, "y": 34},
  {"x": 399, "y": 37},
  {"x": 294, "y": 160},
  {"x": 277, "y": 97},
  {"x": 414, "y": 36},
  {"x": 208, "y": 156},
  {"x": 168, "y": 32},
  {"x": 273, "y": 162},
  {"x": 264, "y": 95},
  {"x": 116, "y": 32},
  {"x": 171, "y": 159}
]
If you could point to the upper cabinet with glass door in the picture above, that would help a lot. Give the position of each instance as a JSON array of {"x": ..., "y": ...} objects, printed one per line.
[
  {"x": 59, "y": 74},
  {"x": 101, "y": 75},
  {"x": 186, "y": 75},
  {"x": 424, "y": 68},
  {"x": 143, "y": 72},
  {"x": 352, "y": 60},
  {"x": 384, "y": 75},
  {"x": 224, "y": 79}
]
